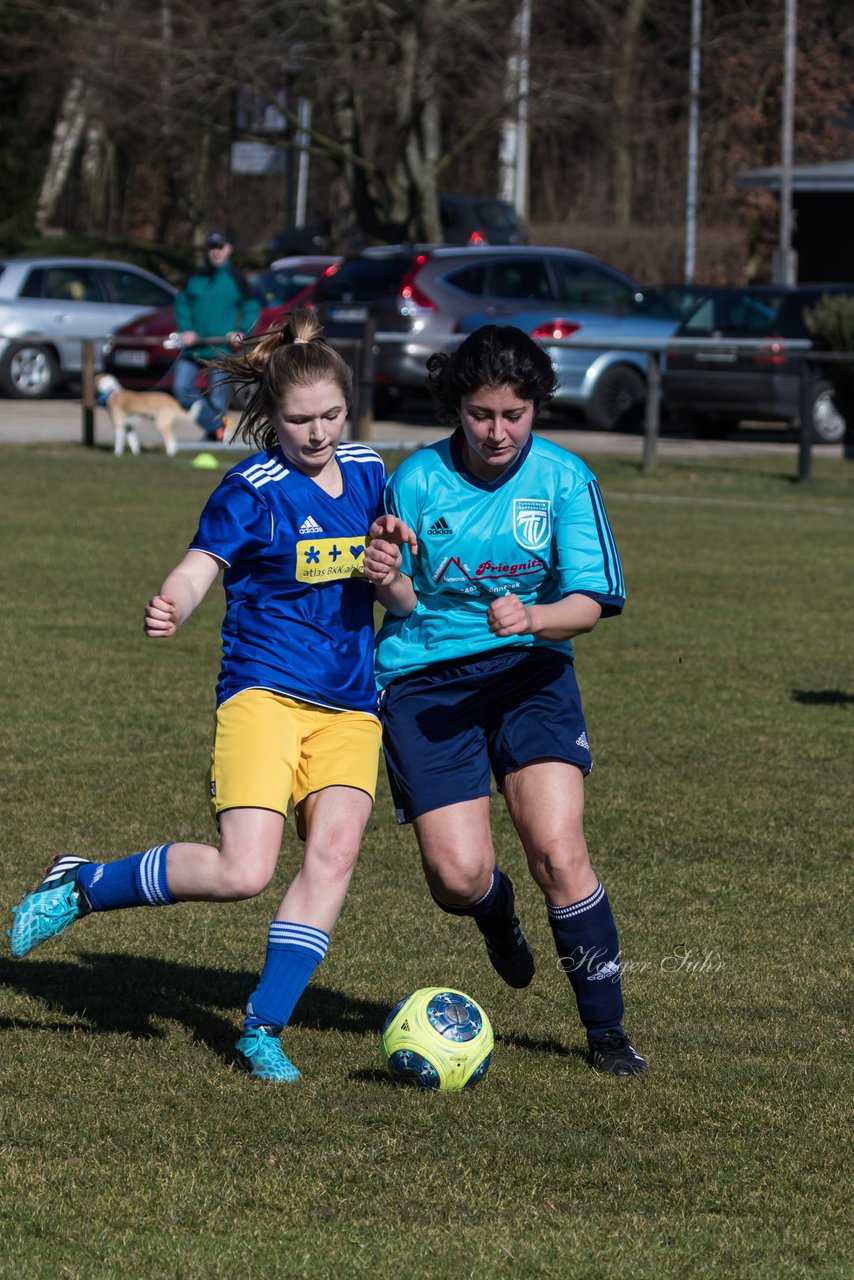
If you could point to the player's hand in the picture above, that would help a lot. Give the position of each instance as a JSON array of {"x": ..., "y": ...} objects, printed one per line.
[
  {"x": 235, "y": 338},
  {"x": 189, "y": 337},
  {"x": 507, "y": 616},
  {"x": 161, "y": 618},
  {"x": 382, "y": 562},
  {"x": 391, "y": 529}
]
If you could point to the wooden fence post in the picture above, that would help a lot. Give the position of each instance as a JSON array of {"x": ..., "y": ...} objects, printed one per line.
[
  {"x": 87, "y": 393},
  {"x": 805, "y": 415},
  {"x": 652, "y": 415}
]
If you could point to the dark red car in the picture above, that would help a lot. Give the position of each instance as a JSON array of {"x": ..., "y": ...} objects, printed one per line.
[{"x": 141, "y": 354}]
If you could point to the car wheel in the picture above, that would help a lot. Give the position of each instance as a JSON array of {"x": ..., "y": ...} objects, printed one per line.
[
  {"x": 618, "y": 400},
  {"x": 29, "y": 372},
  {"x": 828, "y": 424}
]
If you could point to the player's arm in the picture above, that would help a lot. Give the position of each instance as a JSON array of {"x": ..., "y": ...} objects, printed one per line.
[
  {"x": 383, "y": 560},
  {"x": 181, "y": 593},
  {"x": 573, "y": 615}
]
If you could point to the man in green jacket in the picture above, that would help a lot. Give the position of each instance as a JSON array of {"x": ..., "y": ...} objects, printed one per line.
[{"x": 216, "y": 303}]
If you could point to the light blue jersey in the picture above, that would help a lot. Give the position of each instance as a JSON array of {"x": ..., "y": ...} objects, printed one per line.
[
  {"x": 539, "y": 531},
  {"x": 299, "y": 611}
]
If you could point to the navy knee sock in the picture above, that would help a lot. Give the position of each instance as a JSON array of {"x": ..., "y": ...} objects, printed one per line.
[
  {"x": 493, "y": 911},
  {"x": 586, "y": 939},
  {"x": 293, "y": 953},
  {"x": 137, "y": 881}
]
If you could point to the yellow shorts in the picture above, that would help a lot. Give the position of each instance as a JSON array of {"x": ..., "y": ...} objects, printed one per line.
[{"x": 269, "y": 749}]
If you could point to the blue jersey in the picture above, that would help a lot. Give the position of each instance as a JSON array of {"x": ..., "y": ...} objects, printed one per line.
[
  {"x": 539, "y": 531},
  {"x": 299, "y": 612}
]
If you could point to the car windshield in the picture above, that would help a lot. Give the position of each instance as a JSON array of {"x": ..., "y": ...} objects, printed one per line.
[
  {"x": 735, "y": 314},
  {"x": 365, "y": 279},
  {"x": 280, "y": 286},
  {"x": 494, "y": 213},
  {"x": 670, "y": 301}
]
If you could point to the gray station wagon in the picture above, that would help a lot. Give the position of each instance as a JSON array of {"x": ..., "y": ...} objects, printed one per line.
[{"x": 47, "y": 305}]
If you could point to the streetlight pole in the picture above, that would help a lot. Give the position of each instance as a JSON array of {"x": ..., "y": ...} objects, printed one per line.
[
  {"x": 785, "y": 265},
  {"x": 693, "y": 146}
]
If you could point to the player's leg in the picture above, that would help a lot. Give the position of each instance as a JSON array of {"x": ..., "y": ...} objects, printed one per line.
[
  {"x": 460, "y": 867},
  {"x": 74, "y": 887},
  {"x": 458, "y": 857},
  {"x": 253, "y": 766},
  {"x": 333, "y": 797},
  {"x": 546, "y": 803},
  {"x": 438, "y": 768},
  {"x": 540, "y": 756}
]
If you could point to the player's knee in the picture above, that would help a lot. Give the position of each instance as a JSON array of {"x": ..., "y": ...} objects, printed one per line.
[
  {"x": 245, "y": 880},
  {"x": 559, "y": 864},
  {"x": 459, "y": 884},
  {"x": 335, "y": 861}
]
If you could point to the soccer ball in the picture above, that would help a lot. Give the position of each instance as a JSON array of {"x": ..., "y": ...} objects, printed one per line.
[{"x": 439, "y": 1039}]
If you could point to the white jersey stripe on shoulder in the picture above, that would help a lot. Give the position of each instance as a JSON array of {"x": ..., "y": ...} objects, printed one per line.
[
  {"x": 365, "y": 458},
  {"x": 263, "y": 469},
  {"x": 263, "y": 474},
  {"x": 270, "y": 465},
  {"x": 354, "y": 447}
]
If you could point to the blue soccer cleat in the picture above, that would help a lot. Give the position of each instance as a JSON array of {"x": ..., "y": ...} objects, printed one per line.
[
  {"x": 259, "y": 1051},
  {"x": 50, "y": 909}
]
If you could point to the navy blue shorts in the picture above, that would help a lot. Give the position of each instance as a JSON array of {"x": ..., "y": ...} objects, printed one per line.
[{"x": 449, "y": 726}]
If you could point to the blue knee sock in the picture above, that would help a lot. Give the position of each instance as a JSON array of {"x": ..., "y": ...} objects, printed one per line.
[
  {"x": 491, "y": 912},
  {"x": 293, "y": 953},
  {"x": 586, "y": 939},
  {"x": 137, "y": 881}
]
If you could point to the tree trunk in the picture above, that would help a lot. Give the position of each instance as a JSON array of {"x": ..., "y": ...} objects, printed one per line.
[
  {"x": 67, "y": 133},
  {"x": 624, "y": 111}
]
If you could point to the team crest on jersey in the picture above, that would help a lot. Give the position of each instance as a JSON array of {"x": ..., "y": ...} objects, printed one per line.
[{"x": 532, "y": 522}]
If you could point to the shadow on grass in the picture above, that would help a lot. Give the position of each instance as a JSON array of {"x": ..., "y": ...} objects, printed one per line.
[
  {"x": 128, "y": 995},
  {"x": 822, "y": 697}
]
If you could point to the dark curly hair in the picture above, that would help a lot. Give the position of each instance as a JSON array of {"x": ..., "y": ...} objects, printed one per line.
[
  {"x": 493, "y": 356},
  {"x": 292, "y": 355}
]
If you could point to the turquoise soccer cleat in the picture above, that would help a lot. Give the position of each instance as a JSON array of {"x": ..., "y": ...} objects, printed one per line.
[
  {"x": 50, "y": 909},
  {"x": 259, "y": 1051},
  {"x": 41, "y": 916}
]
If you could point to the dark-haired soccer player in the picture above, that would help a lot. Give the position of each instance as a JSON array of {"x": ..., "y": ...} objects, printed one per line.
[{"x": 474, "y": 660}]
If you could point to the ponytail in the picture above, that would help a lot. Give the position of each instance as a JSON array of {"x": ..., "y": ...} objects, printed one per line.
[{"x": 293, "y": 354}]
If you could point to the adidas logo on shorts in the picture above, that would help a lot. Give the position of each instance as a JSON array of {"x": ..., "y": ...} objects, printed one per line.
[
  {"x": 441, "y": 527},
  {"x": 310, "y": 525}
]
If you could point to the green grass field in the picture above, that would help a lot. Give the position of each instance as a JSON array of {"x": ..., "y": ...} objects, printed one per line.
[{"x": 719, "y": 818}]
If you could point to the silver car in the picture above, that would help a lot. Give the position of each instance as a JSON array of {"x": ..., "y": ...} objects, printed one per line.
[
  {"x": 48, "y": 305},
  {"x": 607, "y": 386},
  {"x": 418, "y": 297}
]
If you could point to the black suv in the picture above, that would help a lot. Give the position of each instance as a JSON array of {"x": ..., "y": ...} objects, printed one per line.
[{"x": 717, "y": 389}]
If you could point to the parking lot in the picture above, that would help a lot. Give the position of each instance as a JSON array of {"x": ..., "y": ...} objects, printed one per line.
[{"x": 59, "y": 421}]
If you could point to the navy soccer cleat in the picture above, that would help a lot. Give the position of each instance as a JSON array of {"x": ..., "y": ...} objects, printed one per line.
[
  {"x": 613, "y": 1053},
  {"x": 511, "y": 957}
]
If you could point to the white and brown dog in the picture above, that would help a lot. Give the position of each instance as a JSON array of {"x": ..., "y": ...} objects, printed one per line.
[{"x": 128, "y": 408}]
